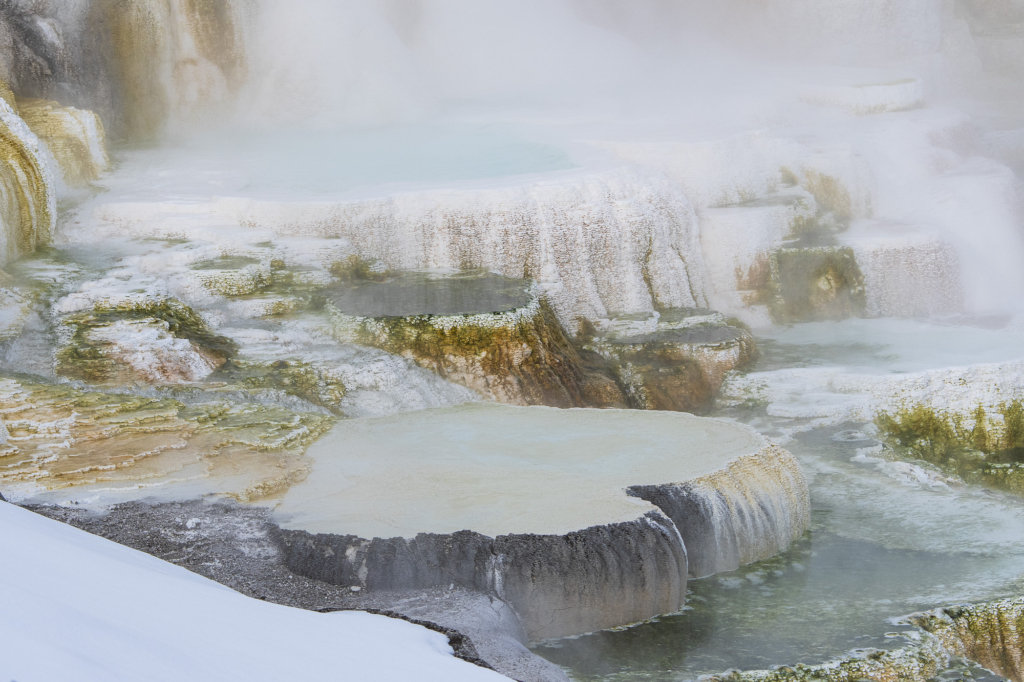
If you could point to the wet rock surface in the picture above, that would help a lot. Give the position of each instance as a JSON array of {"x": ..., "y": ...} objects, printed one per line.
[
  {"x": 520, "y": 357},
  {"x": 676, "y": 361},
  {"x": 559, "y": 584}
]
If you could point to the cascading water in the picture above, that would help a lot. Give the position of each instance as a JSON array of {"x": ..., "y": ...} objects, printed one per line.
[{"x": 28, "y": 201}]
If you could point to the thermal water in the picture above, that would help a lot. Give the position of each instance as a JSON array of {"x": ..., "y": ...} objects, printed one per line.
[{"x": 878, "y": 548}]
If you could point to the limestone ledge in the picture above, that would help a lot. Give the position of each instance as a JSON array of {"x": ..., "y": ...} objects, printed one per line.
[
  {"x": 593, "y": 578},
  {"x": 678, "y": 362},
  {"x": 524, "y": 356},
  {"x": 815, "y": 283},
  {"x": 519, "y": 357},
  {"x": 749, "y": 511},
  {"x": 598, "y": 241},
  {"x": 871, "y": 98},
  {"x": 29, "y": 211},
  {"x": 851, "y": 396},
  {"x": 139, "y": 339},
  {"x": 907, "y": 273},
  {"x": 233, "y": 276},
  {"x": 300, "y": 358}
]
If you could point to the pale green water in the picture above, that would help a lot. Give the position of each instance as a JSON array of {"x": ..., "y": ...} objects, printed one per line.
[{"x": 291, "y": 164}]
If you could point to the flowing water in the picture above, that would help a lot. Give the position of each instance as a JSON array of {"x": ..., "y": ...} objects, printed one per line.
[
  {"x": 887, "y": 538},
  {"x": 878, "y": 548}
]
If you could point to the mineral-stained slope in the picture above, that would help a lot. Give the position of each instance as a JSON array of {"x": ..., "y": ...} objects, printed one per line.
[
  {"x": 521, "y": 356},
  {"x": 28, "y": 202},
  {"x": 75, "y": 137}
]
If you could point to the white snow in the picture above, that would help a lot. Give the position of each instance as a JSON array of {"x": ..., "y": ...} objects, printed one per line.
[{"x": 78, "y": 607}]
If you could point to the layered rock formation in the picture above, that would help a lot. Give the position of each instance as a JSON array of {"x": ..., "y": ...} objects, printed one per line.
[
  {"x": 141, "y": 340},
  {"x": 519, "y": 354},
  {"x": 600, "y": 243},
  {"x": 905, "y": 272},
  {"x": 75, "y": 138},
  {"x": 672, "y": 360},
  {"x": 520, "y": 357},
  {"x": 536, "y": 508},
  {"x": 62, "y": 438}
]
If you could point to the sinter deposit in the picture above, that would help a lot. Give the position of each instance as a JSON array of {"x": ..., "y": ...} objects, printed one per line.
[{"x": 515, "y": 501}]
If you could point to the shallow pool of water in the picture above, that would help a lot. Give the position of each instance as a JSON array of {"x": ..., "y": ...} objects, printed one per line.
[
  {"x": 289, "y": 163},
  {"x": 881, "y": 346},
  {"x": 416, "y": 293}
]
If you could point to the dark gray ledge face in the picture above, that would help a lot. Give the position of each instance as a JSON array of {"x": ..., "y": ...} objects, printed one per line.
[
  {"x": 559, "y": 585},
  {"x": 232, "y": 544}
]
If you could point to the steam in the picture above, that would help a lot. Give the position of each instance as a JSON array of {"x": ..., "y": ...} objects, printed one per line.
[
  {"x": 808, "y": 80},
  {"x": 371, "y": 62}
]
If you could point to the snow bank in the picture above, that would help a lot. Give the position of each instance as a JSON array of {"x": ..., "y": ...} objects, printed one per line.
[{"x": 79, "y": 607}]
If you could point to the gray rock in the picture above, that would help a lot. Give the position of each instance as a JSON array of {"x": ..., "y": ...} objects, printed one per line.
[{"x": 559, "y": 585}]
